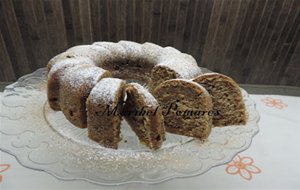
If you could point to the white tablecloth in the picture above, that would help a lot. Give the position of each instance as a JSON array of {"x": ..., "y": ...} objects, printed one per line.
[{"x": 272, "y": 161}]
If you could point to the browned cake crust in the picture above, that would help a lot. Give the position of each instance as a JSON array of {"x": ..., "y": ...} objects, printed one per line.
[
  {"x": 54, "y": 78},
  {"x": 148, "y": 125},
  {"x": 103, "y": 127},
  {"x": 75, "y": 87},
  {"x": 191, "y": 116},
  {"x": 227, "y": 99}
]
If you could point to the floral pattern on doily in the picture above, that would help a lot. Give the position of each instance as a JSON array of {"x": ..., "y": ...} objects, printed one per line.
[
  {"x": 3, "y": 168},
  {"x": 275, "y": 103},
  {"x": 243, "y": 166}
]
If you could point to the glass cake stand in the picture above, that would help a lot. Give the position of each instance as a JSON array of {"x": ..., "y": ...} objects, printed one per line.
[{"x": 43, "y": 139}]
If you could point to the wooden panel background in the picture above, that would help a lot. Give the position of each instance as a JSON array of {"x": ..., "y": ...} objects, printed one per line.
[{"x": 254, "y": 41}]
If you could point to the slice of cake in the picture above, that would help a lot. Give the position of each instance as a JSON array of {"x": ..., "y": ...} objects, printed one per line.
[
  {"x": 186, "y": 108},
  {"x": 75, "y": 86},
  {"x": 143, "y": 114},
  {"x": 55, "y": 75},
  {"x": 103, "y": 119},
  {"x": 227, "y": 99}
]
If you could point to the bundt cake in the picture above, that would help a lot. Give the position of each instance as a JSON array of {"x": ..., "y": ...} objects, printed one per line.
[
  {"x": 96, "y": 53},
  {"x": 142, "y": 112},
  {"x": 117, "y": 51},
  {"x": 103, "y": 108},
  {"x": 226, "y": 97},
  {"x": 151, "y": 52},
  {"x": 186, "y": 108},
  {"x": 86, "y": 80},
  {"x": 75, "y": 86}
]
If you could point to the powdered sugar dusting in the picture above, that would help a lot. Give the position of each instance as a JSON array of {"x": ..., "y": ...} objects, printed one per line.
[
  {"x": 69, "y": 62},
  {"x": 151, "y": 52},
  {"x": 105, "y": 91},
  {"x": 96, "y": 53},
  {"x": 82, "y": 75},
  {"x": 117, "y": 51},
  {"x": 183, "y": 64},
  {"x": 100, "y": 52},
  {"x": 133, "y": 49},
  {"x": 148, "y": 97},
  {"x": 178, "y": 63},
  {"x": 153, "y": 46},
  {"x": 171, "y": 50}
]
